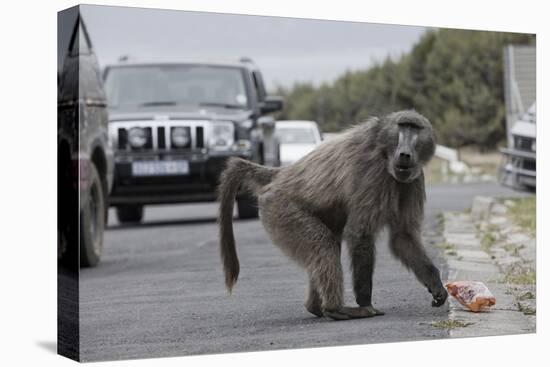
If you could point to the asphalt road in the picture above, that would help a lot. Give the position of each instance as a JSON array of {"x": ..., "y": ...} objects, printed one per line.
[{"x": 159, "y": 289}]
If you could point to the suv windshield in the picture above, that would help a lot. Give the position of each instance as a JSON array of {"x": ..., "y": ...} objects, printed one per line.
[{"x": 155, "y": 85}]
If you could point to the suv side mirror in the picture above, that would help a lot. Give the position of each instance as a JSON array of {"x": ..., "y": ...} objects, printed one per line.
[
  {"x": 266, "y": 122},
  {"x": 271, "y": 104}
]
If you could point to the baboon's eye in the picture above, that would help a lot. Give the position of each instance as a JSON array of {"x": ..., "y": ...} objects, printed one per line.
[{"x": 410, "y": 124}]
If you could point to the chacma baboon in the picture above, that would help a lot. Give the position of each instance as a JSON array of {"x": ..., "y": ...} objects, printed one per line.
[{"x": 348, "y": 188}]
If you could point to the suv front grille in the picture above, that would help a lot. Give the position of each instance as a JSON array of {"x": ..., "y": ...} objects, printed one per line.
[
  {"x": 529, "y": 165},
  {"x": 159, "y": 136},
  {"x": 200, "y": 137},
  {"x": 523, "y": 143}
]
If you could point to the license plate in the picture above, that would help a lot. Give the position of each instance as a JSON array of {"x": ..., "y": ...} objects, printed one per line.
[{"x": 160, "y": 168}]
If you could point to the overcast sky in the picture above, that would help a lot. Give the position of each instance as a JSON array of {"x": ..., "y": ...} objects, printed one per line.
[{"x": 287, "y": 50}]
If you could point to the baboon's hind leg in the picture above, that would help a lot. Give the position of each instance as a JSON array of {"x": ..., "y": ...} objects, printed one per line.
[
  {"x": 306, "y": 239},
  {"x": 313, "y": 302}
]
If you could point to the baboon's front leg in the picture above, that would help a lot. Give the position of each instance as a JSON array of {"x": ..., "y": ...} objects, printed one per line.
[
  {"x": 362, "y": 253},
  {"x": 406, "y": 245}
]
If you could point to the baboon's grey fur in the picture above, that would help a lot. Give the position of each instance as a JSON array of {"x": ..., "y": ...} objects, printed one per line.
[{"x": 347, "y": 188}]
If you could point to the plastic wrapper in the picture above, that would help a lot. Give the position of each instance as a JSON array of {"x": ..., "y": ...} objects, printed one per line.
[{"x": 473, "y": 295}]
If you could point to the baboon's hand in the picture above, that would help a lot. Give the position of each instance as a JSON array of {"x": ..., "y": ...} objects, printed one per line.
[{"x": 439, "y": 294}]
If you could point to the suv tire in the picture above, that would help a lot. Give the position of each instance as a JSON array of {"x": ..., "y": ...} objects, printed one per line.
[
  {"x": 247, "y": 207},
  {"x": 129, "y": 214},
  {"x": 92, "y": 222}
]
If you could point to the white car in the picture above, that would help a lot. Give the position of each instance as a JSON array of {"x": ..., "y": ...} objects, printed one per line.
[{"x": 296, "y": 139}]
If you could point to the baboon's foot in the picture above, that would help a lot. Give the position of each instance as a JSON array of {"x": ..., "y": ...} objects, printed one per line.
[
  {"x": 348, "y": 313},
  {"x": 368, "y": 305},
  {"x": 374, "y": 311},
  {"x": 314, "y": 308}
]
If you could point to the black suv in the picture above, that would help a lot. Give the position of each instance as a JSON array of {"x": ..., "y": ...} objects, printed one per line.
[
  {"x": 173, "y": 125},
  {"x": 85, "y": 156}
]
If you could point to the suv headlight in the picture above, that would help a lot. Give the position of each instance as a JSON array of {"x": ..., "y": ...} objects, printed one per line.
[
  {"x": 137, "y": 137},
  {"x": 222, "y": 137},
  {"x": 181, "y": 137}
]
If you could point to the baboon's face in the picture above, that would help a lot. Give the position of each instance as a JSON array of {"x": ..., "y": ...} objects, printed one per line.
[{"x": 411, "y": 145}]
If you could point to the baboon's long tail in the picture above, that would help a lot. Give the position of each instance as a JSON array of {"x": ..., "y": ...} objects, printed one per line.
[{"x": 239, "y": 174}]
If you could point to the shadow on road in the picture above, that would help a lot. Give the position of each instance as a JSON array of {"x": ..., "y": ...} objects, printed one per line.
[{"x": 172, "y": 222}]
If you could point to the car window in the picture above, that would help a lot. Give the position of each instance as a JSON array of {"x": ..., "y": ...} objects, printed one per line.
[{"x": 295, "y": 135}]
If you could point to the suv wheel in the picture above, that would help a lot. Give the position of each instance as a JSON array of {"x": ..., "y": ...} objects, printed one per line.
[
  {"x": 92, "y": 222},
  {"x": 127, "y": 214},
  {"x": 247, "y": 207}
]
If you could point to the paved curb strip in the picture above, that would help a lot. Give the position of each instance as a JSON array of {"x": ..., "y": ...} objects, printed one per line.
[{"x": 468, "y": 260}]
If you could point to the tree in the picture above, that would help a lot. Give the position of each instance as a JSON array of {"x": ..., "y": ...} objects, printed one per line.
[{"x": 454, "y": 77}]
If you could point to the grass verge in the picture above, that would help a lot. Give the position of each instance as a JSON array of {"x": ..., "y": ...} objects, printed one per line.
[
  {"x": 517, "y": 274},
  {"x": 523, "y": 213},
  {"x": 527, "y": 310}
]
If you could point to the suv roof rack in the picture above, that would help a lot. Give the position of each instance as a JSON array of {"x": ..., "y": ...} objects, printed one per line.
[
  {"x": 124, "y": 58},
  {"x": 246, "y": 59}
]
